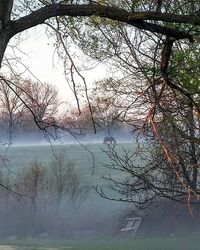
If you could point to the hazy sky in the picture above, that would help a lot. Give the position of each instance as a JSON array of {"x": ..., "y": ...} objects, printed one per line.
[{"x": 40, "y": 56}]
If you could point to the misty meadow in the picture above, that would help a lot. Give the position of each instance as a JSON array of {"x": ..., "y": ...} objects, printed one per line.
[
  {"x": 99, "y": 124},
  {"x": 51, "y": 199}
]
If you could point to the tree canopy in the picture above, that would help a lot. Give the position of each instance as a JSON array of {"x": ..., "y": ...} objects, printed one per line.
[
  {"x": 155, "y": 45},
  {"x": 176, "y": 20},
  {"x": 167, "y": 20}
]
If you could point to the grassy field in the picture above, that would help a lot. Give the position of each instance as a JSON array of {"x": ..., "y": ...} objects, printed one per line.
[
  {"x": 88, "y": 159},
  {"x": 172, "y": 243},
  {"x": 88, "y": 164},
  {"x": 20, "y": 157},
  {"x": 84, "y": 157}
]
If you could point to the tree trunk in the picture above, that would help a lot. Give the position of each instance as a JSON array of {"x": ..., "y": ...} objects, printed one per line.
[
  {"x": 194, "y": 160},
  {"x": 10, "y": 131},
  {"x": 5, "y": 12},
  {"x": 4, "y": 39}
]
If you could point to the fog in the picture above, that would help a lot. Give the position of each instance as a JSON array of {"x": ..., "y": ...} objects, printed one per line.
[
  {"x": 21, "y": 219},
  {"x": 60, "y": 137},
  {"x": 40, "y": 208},
  {"x": 92, "y": 220}
]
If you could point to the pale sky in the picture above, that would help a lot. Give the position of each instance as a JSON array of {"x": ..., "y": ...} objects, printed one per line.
[{"x": 40, "y": 57}]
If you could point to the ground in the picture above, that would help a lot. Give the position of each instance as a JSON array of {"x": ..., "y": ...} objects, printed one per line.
[
  {"x": 165, "y": 243},
  {"x": 20, "y": 157}
]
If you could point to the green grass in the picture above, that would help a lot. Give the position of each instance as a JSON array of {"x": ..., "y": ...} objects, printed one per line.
[
  {"x": 88, "y": 164},
  {"x": 86, "y": 159},
  {"x": 20, "y": 157},
  {"x": 168, "y": 243}
]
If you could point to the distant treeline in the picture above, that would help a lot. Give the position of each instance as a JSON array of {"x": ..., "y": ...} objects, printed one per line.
[{"x": 41, "y": 200}]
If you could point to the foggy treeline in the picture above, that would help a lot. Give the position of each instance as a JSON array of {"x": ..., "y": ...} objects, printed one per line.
[
  {"x": 41, "y": 200},
  {"x": 53, "y": 201},
  {"x": 31, "y": 108}
]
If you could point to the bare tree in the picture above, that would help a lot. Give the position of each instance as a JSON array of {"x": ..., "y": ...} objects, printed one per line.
[
  {"x": 68, "y": 184},
  {"x": 34, "y": 183},
  {"x": 80, "y": 124},
  {"x": 21, "y": 97},
  {"x": 149, "y": 62},
  {"x": 42, "y": 100},
  {"x": 107, "y": 106},
  {"x": 166, "y": 164},
  {"x": 12, "y": 109}
]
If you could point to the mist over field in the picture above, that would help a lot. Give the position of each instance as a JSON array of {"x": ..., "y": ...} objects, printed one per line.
[
  {"x": 38, "y": 138},
  {"x": 79, "y": 212}
]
